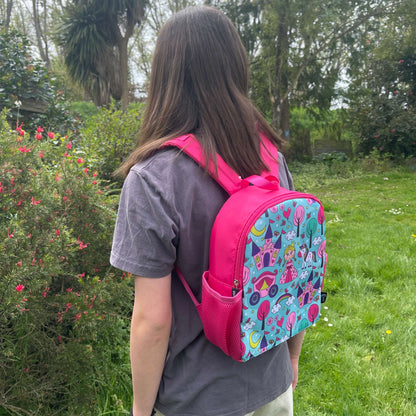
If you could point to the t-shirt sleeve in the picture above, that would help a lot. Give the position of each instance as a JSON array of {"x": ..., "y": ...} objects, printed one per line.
[
  {"x": 285, "y": 177},
  {"x": 145, "y": 231}
]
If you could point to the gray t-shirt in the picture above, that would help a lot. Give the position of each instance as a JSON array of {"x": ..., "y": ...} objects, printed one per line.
[{"x": 167, "y": 208}]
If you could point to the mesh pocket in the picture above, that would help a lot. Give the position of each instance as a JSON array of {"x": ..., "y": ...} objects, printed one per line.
[{"x": 221, "y": 317}]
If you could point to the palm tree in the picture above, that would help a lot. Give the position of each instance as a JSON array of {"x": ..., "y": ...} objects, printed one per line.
[{"x": 94, "y": 35}]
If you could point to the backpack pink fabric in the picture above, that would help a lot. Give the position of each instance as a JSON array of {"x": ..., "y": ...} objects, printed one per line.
[{"x": 266, "y": 263}]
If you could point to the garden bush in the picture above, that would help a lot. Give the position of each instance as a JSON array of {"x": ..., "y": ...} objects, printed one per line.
[
  {"x": 24, "y": 79},
  {"x": 109, "y": 136},
  {"x": 64, "y": 312}
]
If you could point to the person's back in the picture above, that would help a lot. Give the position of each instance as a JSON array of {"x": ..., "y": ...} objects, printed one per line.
[{"x": 167, "y": 208}]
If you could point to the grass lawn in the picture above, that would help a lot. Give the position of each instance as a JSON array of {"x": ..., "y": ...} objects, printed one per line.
[{"x": 360, "y": 359}]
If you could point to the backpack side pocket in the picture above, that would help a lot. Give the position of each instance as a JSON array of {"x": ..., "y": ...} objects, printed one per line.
[{"x": 221, "y": 316}]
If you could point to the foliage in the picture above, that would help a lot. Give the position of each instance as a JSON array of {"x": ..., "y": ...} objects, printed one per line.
[
  {"x": 385, "y": 116},
  {"x": 84, "y": 110},
  {"x": 109, "y": 136},
  {"x": 383, "y": 92},
  {"x": 94, "y": 35},
  {"x": 64, "y": 313},
  {"x": 335, "y": 168},
  {"x": 356, "y": 360},
  {"x": 24, "y": 79}
]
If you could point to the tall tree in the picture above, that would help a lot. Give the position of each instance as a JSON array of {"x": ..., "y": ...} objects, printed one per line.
[
  {"x": 6, "y": 7},
  {"x": 303, "y": 48},
  {"x": 382, "y": 95},
  {"x": 40, "y": 14},
  {"x": 94, "y": 35}
]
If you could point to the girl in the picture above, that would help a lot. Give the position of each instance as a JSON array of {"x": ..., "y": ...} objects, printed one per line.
[
  {"x": 199, "y": 85},
  {"x": 290, "y": 272}
]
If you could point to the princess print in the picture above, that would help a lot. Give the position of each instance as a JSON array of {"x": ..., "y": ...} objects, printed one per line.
[{"x": 290, "y": 272}]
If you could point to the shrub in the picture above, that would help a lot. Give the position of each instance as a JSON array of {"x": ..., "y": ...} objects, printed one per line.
[
  {"x": 109, "y": 136},
  {"x": 64, "y": 311},
  {"x": 25, "y": 80}
]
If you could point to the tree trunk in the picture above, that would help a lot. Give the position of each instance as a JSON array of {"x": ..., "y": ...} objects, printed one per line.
[
  {"x": 280, "y": 101},
  {"x": 39, "y": 35},
  {"x": 9, "y": 6},
  {"x": 124, "y": 72}
]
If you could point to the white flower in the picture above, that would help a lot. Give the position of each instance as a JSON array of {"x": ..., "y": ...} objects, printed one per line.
[{"x": 18, "y": 103}]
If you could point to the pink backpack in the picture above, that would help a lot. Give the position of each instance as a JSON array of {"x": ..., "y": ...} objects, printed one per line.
[{"x": 266, "y": 263}]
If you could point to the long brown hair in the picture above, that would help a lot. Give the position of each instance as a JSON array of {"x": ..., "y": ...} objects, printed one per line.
[{"x": 199, "y": 85}]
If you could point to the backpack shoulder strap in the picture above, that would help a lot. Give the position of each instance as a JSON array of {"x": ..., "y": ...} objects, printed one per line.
[{"x": 224, "y": 175}]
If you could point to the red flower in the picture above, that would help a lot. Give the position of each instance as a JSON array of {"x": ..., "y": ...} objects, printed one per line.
[
  {"x": 94, "y": 182},
  {"x": 25, "y": 149},
  {"x": 79, "y": 160},
  {"x": 69, "y": 146},
  {"x": 34, "y": 202},
  {"x": 38, "y": 136},
  {"x": 19, "y": 288},
  {"x": 39, "y": 129},
  {"x": 40, "y": 154},
  {"x": 82, "y": 245},
  {"x": 51, "y": 135}
]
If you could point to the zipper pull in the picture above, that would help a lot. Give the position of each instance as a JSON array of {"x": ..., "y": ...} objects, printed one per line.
[{"x": 236, "y": 287}]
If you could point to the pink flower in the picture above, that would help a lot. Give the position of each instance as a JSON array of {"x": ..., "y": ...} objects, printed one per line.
[
  {"x": 79, "y": 160},
  {"x": 400, "y": 61},
  {"x": 94, "y": 182},
  {"x": 35, "y": 202},
  {"x": 69, "y": 146},
  {"x": 82, "y": 245},
  {"x": 19, "y": 264},
  {"x": 25, "y": 149},
  {"x": 51, "y": 135},
  {"x": 38, "y": 136},
  {"x": 44, "y": 294},
  {"x": 40, "y": 154},
  {"x": 19, "y": 288},
  {"x": 39, "y": 129},
  {"x": 57, "y": 232},
  {"x": 22, "y": 132}
]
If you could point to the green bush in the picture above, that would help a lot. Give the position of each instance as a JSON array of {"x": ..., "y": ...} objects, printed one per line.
[
  {"x": 64, "y": 312},
  {"x": 109, "y": 136},
  {"x": 25, "y": 82},
  {"x": 383, "y": 113}
]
